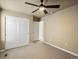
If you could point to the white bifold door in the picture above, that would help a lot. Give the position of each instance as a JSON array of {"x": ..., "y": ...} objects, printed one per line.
[{"x": 17, "y": 32}]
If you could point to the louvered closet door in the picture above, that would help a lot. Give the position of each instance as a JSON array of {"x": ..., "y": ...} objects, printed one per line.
[{"x": 17, "y": 32}]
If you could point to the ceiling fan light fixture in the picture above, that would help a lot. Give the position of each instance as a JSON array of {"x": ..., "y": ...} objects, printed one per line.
[{"x": 41, "y": 8}]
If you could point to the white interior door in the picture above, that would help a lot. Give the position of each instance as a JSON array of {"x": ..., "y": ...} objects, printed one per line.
[
  {"x": 17, "y": 32},
  {"x": 36, "y": 31}
]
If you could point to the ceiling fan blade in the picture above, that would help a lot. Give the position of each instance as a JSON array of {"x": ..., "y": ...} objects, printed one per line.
[
  {"x": 52, "y": 6},
  {"x": 45, "y": 11},
  {"x": 35, "y": 10},
  {"x": 31, "y": 4},
  {"x": 41, "y": 1}
]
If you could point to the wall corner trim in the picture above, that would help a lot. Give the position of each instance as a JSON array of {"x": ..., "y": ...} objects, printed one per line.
[{"x": 60, "y": 48}]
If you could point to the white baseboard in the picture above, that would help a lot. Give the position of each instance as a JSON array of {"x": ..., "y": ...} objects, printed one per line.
[
  {"x": 17, "y": 46},
  {"x": 60, "y": 48},
  {"x": 2, "y": 50}
]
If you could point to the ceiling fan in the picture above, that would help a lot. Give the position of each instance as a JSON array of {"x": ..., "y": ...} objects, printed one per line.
[{"x": 42, "y": 6}]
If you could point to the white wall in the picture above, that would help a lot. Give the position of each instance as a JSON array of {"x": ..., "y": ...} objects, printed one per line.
[{"x": 60, "y": 29}]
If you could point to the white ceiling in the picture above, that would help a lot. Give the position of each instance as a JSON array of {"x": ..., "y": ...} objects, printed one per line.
[{"x": 20, "y": 7}]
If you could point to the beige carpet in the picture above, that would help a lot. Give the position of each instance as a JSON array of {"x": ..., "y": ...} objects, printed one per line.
[{"x": 38, "y": 50}]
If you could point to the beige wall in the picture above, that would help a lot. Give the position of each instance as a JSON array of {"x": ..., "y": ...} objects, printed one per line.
[
  {"x": 0, "y": 33},
  {"x": 31, "y": 29},
  {"x": 60, "y": 28},
  {"x": 11, "y": 13}
]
